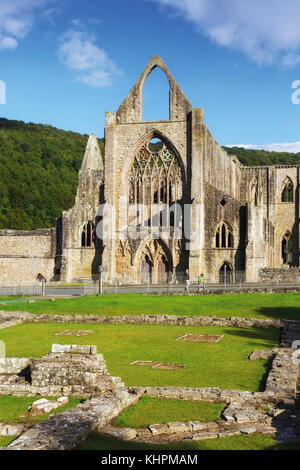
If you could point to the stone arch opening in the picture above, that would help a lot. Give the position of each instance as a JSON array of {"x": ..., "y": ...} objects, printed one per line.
[
  {"x": 224, "y": 236},
  {"x": 287, "y": 194},
  {"x": 287, "y": 248},
  {"x": 88, "y": 235},
  {"x": 226, "y": 273},
  {"x": 146, "y": 270},
  {"x": 154, "y": 261},
  {"x": 156, "y": 96}
]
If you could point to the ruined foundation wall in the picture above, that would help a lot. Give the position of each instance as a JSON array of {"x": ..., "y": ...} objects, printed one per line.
[{"x": 24, "y": 255}]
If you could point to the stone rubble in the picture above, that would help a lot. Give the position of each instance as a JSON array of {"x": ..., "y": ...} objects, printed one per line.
[{"x": 43, "y": 406}]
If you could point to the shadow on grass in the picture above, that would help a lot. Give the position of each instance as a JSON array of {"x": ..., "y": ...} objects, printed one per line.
[
  {"x": 263, "y": 381},
  {"x": 270, "y": 336},
  {"x": 280, "y": 313},
  {"x": 251, "y": 442}
]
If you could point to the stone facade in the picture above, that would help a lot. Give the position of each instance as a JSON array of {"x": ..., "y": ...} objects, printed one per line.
[{"x": 235, "y": 219}]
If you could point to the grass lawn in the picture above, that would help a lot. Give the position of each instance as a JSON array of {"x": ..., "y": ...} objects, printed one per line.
[
  {"x": 150, "y": 410},
  {"x": 240, "y": 442},
  {"x": 239, "y": 305},
  {"x": 5, "y": 440},
  {"x": 14, "y": 409},
  {"x": 224, "y": 364}
]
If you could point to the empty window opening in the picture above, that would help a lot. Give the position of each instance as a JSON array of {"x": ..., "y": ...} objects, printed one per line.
[
  {"x": 224, "y": 236},
  {"x": 88, "y": 235},
  {"x": 288, "y": 192},
  {"x": 226, "y": 274},
  {"x": 156, "y": 97},
  {"x": 155, "y": 145}
]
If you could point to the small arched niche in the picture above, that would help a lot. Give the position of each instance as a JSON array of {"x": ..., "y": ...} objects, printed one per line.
[
  {"x": 287, "y": 194},
  {"x": 156, "y": 97}
]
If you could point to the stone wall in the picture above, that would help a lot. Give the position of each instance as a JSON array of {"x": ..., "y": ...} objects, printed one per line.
[
  {"x": 66, "y": 430},
  {"x": 24, "y": 255},
  {"x": 175, "y": 320},
  {"x": 281, "y": 276}
]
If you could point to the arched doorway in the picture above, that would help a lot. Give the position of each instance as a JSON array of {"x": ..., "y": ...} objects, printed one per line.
[
  {"x": 146, "y": 270},
  {"x": 163, "y": 271},
  {"x": 226, "y": 273}
]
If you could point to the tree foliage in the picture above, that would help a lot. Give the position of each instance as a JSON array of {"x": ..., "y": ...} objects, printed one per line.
[
  {"x": 39, "y": 167},
  {"x": 249, "y": 157}
]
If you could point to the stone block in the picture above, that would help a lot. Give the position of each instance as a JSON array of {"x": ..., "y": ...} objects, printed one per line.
[
  {"x": 179, "y": 427},
  {"x": 157, "y": 429}
]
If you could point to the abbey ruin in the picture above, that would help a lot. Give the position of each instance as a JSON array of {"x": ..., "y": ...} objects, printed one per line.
[{"x": 179, "y": 201}]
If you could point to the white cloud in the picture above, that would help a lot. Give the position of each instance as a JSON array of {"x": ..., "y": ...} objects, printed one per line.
[
  {"x": 292, "y": 147},
  {"x": 267, "y": 31},
  {"x": 17, "y": 18},
  {"x": 7, "y": 42},
  {"x": 79, "y": 53}
]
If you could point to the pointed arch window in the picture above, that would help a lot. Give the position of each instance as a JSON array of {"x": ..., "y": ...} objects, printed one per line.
[
  {"x": 155, "y": 176},
  {"x": 286, "y": 248},
  {"x": 287, "y": 194},
  {"x": 88, "y": 234},
  {"x": 224, "y": 236}
]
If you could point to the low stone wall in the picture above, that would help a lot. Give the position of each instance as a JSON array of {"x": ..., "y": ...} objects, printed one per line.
[
  {"x": 214, "y": 395},
  {"x": 282, "y": 379},
  {"x": 175, "y": 320},
  {"x": 66, "y": 430},
  {"x": 286, "y": 274},
  {"x": 191, "y": 431}
]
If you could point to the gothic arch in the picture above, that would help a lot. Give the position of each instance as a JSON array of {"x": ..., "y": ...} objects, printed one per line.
[
  {"x": 224, "y": 236},
  {"x": 152, "y": 134},
  {"x": 131, "y": 108},
  {"x": 153, "y": 248},
  {"x": 221, "y": 272},
  {"x": 153, "y": 262},
  {"x": 88, "y": 234},
  {"x": 287, "y": 190}
]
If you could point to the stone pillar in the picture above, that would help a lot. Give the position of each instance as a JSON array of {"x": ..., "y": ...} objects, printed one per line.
[
  {"x": 109, "y": 236},
  {"x": 198, "y": 137}
]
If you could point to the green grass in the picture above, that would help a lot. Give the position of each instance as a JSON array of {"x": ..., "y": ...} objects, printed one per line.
[
  {"x": 14, "y": 409},
  {"x": 5, "y": 440},
  {"x": 239, "y": 442},
  {"x": 224, "y": 364},
  {"x": 150, "y": 410},
  {"x": 239, "y": 305}
]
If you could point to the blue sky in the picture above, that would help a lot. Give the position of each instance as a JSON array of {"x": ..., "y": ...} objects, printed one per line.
[{"x": 65, "y": 62}]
